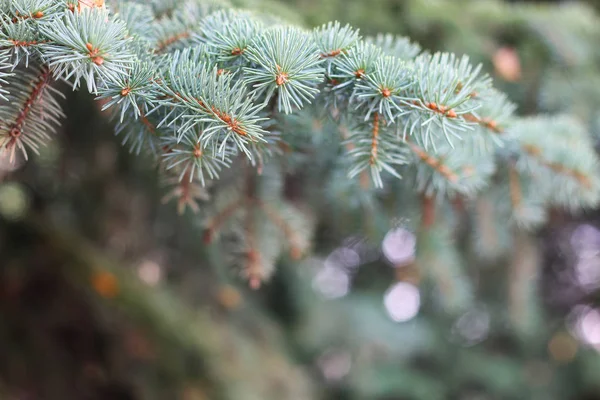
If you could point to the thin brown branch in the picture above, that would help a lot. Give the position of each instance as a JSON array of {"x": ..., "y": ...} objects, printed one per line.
[
  {"x": 164, "y": 44},
  {"x": 186, "y": 197},
  {"x": 232, "y": 122},
  {"x": 375, "y": 139},
  {"x": 516, "y": 194},
  {"x": 24, "y": 43},
  {"x": 35, "y": 15},
  {"x": 286, "y": 229},
  {"x": 16, "y": 130},
  {"x": 557, "y": 167},
  {"x": 433, "y": 162},
  {"x": 441, "y": 109},
  {"x": 253, "y": 267},
  {"x": 485, "y": 122},
  {"x": 147, "y": 123},
  {"x": 427, "y": 212},
  {"x": 332, "y": 53},
  {"x": 218, "y": 220}
]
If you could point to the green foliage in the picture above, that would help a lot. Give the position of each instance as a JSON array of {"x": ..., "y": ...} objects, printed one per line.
[
  {"x": 274, "y": 134},
  {"x": 198, "y": 84}
]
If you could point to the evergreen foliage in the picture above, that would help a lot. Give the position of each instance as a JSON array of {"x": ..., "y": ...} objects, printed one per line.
[
  {"x": 273, "y": 134},
  {"x": 199, "y": 84}
]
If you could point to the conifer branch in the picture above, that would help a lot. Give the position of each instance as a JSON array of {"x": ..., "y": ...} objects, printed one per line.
[
  {"x": 218, "y": 220},
  {"x": 433, "y": 162},
  {"x": 487, "y": 123},
  {"x": 557, "y": 167},
  {"x": 285, "y": 227},
  {"x": 427, "y": 212},
  {"x": 374, "y": 142},
  {"x": 32, "y": 115},
  {"x": 164, "y": 44},
  {"x": 516, "y": 194},
  {"x": 253, "y": 269}
]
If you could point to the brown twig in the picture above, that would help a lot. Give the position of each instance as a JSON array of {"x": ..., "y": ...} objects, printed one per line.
[
  {"x": 218, "y": 220},
  {"x": 16, "y": 130},
  {"x": 557, "y": 167},
  {"x": 485, "y": 122},
  {"x": 375, "y": 140},
  {"x": 433, "y": 162},
  {"x": 332, "y": 53},
  {"x": 162, "y": 45},
  {"x": 428, "y": 211},
  {"x": 286, "y": 229},
  {"x": 516, "y": 194}
]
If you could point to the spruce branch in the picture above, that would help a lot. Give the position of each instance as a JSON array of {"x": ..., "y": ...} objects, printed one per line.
[
  {"x": 286, "y": 62},
  {"x": 228, "y": 33},
  {"x": 31, "y": 11},
  {"x": 33, "y": 113},
  {"x": 215, "y": 223},
  {"x": 199, "y": 84},
  {"x": 579, "y": 176},
  {"x": 130, "y": 92},
  {"x": 384, "y": 89},
  {"x": 332, "y": 40},
  {"x": 395, "y": 46},
  {"x": 5, "y": 73},
  {"x": 216, "y": 101},
  {"x": 557, "y": 154},
  {"x": 139, "y": 130},
  {"x": 373, "y": 146},
  {"x": 186, "y": 191},
  {"x": 192, "y": 159},
  {"x": 89, "y": 45},
  {"x": 138, "y": 18},
  {"x": 433, "y": 162},
  {"x": 19, "y": 41},
  {"x": 354, "y": 64},
  {"x": 440, "y": 97}
]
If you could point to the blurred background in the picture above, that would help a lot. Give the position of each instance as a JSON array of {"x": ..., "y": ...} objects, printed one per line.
[{"x": 107, "y": 293}]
